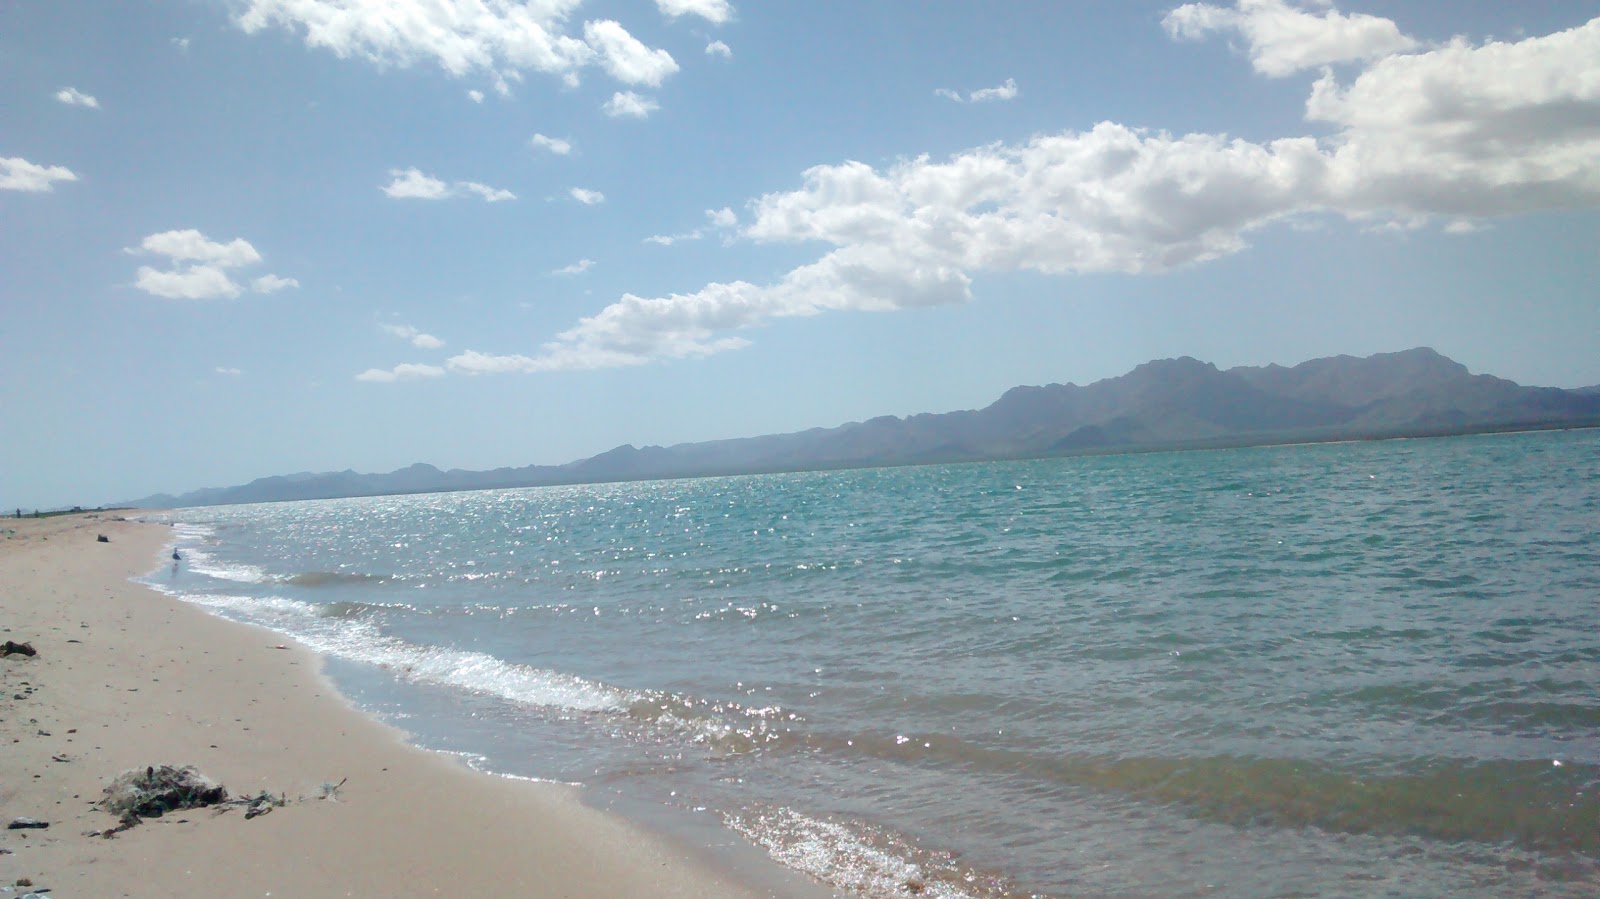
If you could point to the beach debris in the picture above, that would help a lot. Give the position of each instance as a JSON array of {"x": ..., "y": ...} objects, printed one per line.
[
  {"x": 157, "y": 790},
  {"x": 102, "y": 538},
  {"x": 23, "y": 649},
  {"x": 331, "y": 790},
  {"x": 27, "y": 824}
]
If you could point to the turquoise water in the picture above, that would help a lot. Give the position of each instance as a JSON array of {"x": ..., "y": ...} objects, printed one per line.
[{"x": 1351, "y": 669}]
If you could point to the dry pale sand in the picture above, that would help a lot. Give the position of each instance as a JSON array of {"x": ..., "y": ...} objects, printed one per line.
[{"x": 126, "y": 678}]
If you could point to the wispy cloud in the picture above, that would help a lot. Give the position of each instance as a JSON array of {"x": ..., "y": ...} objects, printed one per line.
[
  {"x": 1006, "y": 91},
  {"x": 475, "y": 96},
  {"x": 272, "y": 284},
  {"x": 555, "y": 145},
  {"x": 230, "y": 372},
  {"x": 412, "y": 184},
  {"x": 629, "y": 105},
  {"x": 20, "y": 174},
  {"x": 576, "y": 268},
  {"x": 405, "y": 371},
  {"x": 415, "y": 337},
  {"x": 74, "y": 97},
  {"x": 716, "y": 220},
  {"x": 587, "y": 197}
]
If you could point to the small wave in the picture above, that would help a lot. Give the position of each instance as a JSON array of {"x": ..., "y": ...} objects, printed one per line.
[
  {"x": 360, "y": 641},
  {"x": 331, "y": 578},
  {"x": 201, "y": 562}
]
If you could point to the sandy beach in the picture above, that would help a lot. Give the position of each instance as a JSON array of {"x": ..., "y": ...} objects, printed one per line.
[{"x": 126, "y": 678}]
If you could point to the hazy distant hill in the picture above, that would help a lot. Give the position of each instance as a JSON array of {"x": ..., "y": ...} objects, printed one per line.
[{"x": 1166, "y": 404}]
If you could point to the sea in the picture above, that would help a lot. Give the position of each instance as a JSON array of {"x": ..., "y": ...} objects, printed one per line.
[{"x": 1355, "y": 669}]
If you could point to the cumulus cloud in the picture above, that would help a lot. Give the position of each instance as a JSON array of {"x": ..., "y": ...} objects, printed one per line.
[
  {"x": 412, "y": 184},
  {"x": 20, "y": 174},
  {"x": 415, "y": 337},
  {"x": 718, "y": 48},
  {"x": 199, "y": 267},
  {"x": 195, "y": 282},
  {"x": 501, "y": 39},
  {"x": 625, "y": 58},
  {"x": 1284, "y": 38},
  {"x": 587, "y": 197},
  {"x": 1006, "y": 91},
  {"x": 1454, "y": 135},
  {"x": 715, "y": 11},
  {"x": 554, "y": 144},
  {"x": 405, "y": 371},
  {"x": 74, "y": 97},
  {"x": 272, "y": 284},
  {"x": 629, "y": 105},
  {"x": 190, "y": 245},
  {"x": 475, "y": 96},
  {"x": 576, "y": 268}
]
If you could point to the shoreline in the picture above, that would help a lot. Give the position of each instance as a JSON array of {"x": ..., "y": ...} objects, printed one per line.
[{"x": 126, "y": 678}]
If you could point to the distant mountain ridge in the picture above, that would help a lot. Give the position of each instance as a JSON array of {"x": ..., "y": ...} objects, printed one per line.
[{"x": 1161, "y": 405}]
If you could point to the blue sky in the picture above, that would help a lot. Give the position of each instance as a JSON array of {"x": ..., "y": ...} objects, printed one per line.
[{"x": 264, "y": 236}]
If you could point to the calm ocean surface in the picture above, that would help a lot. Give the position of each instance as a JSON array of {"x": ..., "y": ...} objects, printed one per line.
[{"x": 1352, "y": 669}]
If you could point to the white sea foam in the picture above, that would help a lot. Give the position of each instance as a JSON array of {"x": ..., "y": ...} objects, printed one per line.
[
  {"x": 361, "y": 641},
  {"x": 202, "y": 562}
]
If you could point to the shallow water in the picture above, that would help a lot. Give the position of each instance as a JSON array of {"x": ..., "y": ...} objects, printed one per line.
[{"x": 1325, "y": 670}]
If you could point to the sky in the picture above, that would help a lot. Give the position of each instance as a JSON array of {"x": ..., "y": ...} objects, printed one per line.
[{"x": 248, "y": 238}]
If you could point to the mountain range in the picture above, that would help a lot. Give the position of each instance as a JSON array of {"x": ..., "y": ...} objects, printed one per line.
[{"x": 1166, "y": 404}]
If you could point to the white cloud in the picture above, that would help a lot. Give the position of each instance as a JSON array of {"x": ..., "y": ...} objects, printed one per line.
[
  {"x": 272, "y": 284},
  {"x": 627, "y": 104},
  {"x": 417, "y": 339},
  {"x": 412, "y": 184},
  {"x": 405, "y": 371},
  {"x": 489, "y": 194},
  {"x": 195, "y": 282},
  {"x": 475, "y": 96},
  {"x": 624, "y": 57},
  {"x": 74, "y": 97},
  {"x": 587, "y": 197},
  {"x": 20, "y": 174},
  {"x": 198, "y": 267},
  {"x": 1284, "y": 38},
  {"x": 554, "y": 144},
  {"x": 715, "y": 11},
  {"x": 718, "y": 48},
  {"x": 1006, "y": 91},
  {"x": 190, "y": 245},
  {"x": 1459, "y": 133},
  {"x": 230, "y": 372},
  {"x": 182, "y": 43},
  {"x": 576, "y": 268},
  {"x": 716, "y": 219},
  {"x": 500, "y": 37}
]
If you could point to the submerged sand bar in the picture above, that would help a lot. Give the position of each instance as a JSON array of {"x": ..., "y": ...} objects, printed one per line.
[{"x": 126, "y": 678}]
